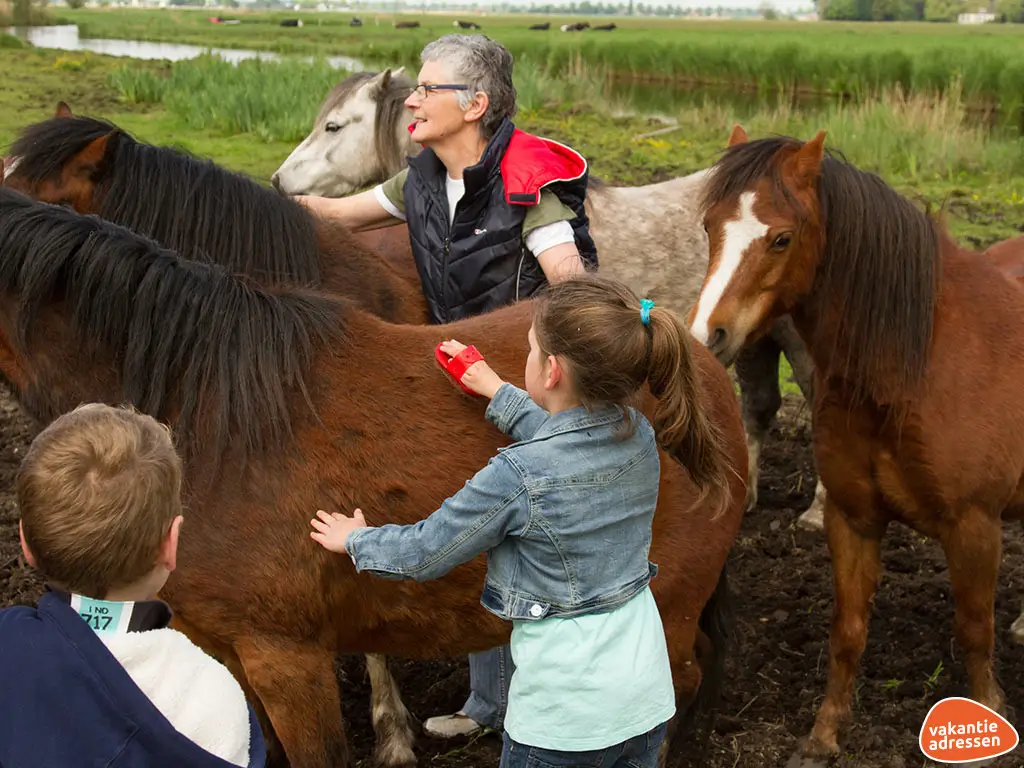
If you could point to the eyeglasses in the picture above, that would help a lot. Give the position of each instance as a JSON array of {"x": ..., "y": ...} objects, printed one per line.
[{"x": 423, "y": 89}]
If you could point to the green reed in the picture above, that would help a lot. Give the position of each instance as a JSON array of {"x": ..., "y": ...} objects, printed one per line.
[
  {"x": 272, "y": 100},
  {"x": 853, "y": 59},
  {"x": 916, "y": 136}
]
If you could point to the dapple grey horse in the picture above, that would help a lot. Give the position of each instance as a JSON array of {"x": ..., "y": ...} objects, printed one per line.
[{"x": 649, "y": 236}]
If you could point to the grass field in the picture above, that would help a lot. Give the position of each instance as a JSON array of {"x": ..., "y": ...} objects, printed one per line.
[{"x": 843, "y": 58}]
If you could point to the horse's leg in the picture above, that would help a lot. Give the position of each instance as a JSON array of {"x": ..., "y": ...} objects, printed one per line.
[
  {"x": 392, "y": 723},
  {"x": 757, "y": 370},
  {"x": 298, "y": 688},
  {"x": 856, "y": 565},
  {"x": 1017, "y": 628},
  {"x": 686, "y": 676},
  {"x": 227, "y": 656},
  {"x": 697, "y": 659},
  {"x": 786, "y": 336},
  {"x": 973, "y": 546},
  {"x": 813, "y": 518}
]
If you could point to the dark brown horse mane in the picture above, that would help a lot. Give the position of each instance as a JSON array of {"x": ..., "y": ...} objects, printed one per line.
[
  {"x": 189, "y": 338},
  {"x": 880, "y": 264},
  {"x": 190, "y": 205},
  {"x": 44, "y": 148}
]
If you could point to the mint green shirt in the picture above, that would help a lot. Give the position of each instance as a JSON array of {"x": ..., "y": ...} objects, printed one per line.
[{"x": 590, "y": 682}]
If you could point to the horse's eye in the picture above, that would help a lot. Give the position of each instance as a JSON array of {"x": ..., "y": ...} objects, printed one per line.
[
  {"x": 781, "y": 242},
  {"x": 332, "y": 127}
]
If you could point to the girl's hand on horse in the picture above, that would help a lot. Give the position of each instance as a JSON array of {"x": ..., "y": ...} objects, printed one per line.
[
  {"x": 479, "y": 377},
  {"x": 333, "y": 528}
]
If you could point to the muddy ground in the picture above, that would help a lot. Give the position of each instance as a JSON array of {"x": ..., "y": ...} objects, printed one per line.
[{"x": 776, "y": 672}]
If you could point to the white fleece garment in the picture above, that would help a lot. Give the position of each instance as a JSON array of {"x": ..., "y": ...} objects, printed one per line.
[{"x": 196, "y": 693}]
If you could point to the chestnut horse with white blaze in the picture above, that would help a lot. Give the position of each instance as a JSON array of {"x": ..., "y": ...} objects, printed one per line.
[{"x": 918, "y": 348}]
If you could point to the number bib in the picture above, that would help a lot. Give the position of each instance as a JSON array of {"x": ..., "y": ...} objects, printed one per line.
[{"x": 103, "y": 616}]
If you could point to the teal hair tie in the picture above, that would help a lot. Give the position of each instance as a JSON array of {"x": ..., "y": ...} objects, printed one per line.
[{"x": 646, "y": 305}]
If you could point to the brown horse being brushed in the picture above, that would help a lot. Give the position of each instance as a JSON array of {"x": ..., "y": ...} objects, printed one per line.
[
  {"x": 284, "y": 400},
  {"x": 204, "y": 212},
  {"x": 918, "y": 348}
]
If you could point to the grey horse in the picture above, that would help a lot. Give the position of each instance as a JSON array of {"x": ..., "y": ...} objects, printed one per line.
[{"x": 650, "y": 237}]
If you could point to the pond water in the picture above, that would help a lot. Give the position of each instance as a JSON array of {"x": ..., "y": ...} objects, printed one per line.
[{"x": 66, "y": 38}]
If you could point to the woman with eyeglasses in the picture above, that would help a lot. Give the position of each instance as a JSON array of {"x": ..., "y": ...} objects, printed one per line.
[{"x": 494, "y": 213}]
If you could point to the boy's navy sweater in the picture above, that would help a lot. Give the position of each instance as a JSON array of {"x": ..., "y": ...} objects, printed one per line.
[{"x": 66, "y": 702}]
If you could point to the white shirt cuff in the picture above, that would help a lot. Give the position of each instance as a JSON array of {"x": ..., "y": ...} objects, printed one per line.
[
  {"x": 386, "y": 204},
  {"x": 548, "y": 236}
]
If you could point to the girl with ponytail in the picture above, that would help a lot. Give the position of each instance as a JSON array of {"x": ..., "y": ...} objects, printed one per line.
[{"x": 565, "y": 514}]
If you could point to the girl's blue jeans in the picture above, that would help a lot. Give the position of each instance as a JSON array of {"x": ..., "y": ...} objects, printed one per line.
[{"x": 639, "y": 752}]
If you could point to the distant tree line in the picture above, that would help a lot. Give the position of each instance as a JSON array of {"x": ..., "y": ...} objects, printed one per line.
[
  {"x": 625, "y": 9},
  {"x": 918, "y": 10},
  {"x": 831, "y": 10}
]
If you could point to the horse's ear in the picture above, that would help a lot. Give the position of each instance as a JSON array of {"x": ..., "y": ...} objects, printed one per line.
[
  {"x": 807, "y": 160},
  {"x": 90, "y": 159},
  {"x": 398, "y": 72},
  {"x": 738, "y": 135},
  {"x": 384, "y": 80},
  {"x": 63, "y": 110}
]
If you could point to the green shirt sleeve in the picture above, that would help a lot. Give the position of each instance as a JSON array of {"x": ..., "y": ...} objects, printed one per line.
[
  {"x": 549, "y": 210},
  {"x": 393, "y": 189}
]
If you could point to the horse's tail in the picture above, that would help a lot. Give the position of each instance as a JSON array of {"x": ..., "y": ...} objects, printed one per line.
[{"x": 717, "y": 622}]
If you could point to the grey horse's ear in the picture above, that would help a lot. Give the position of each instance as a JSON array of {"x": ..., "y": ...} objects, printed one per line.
[
  {"x": 384, "y": 80},
  {"x": 398, "y": 72}
]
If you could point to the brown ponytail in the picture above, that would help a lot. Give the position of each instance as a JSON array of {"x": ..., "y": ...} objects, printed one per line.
[
  {"x": 681, "y": 424},
  {"x": 595, "y": 325}
]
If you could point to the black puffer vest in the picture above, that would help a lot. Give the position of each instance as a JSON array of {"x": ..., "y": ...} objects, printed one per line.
[{"x": 480, "y": 262}]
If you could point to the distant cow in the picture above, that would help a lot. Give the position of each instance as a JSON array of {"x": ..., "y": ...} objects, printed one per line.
[
  {"x": 465, "y": 25},
  {"x": 605, "y": 27},
  {"x": 406, "y": 24},
  {"x": 291, "y": 23},
  {"x": 356, "y": 22},
  {"x": 545, "y": 25},
  {"x": 579, "y": 27}
]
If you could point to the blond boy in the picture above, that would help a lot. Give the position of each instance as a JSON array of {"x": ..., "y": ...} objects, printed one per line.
[{"x": 99, "y": 677}]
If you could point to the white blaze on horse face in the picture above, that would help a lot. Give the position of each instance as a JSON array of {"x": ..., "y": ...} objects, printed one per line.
[
  {"x": 336, "y": 162},
  {"x": 739, "y": 234}
]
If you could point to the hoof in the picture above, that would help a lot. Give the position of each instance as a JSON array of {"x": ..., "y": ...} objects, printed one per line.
[
  {"x": 1017, "y": 630},
  {"x": 394, "y": 757},
  {"x": 813, "y": 519},
  {"x": 811, "y": 753}
]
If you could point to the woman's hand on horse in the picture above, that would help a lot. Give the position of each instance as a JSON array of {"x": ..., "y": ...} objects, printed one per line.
[
  {"x": 333, "y": 528},
  {"x": 479, "y": 377}
]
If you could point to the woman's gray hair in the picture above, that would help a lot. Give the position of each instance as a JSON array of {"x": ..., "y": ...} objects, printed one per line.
[{"x": 482, "y": 64}]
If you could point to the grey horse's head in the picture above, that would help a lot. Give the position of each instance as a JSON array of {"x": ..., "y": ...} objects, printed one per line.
[{"x": 359, "y": 138}]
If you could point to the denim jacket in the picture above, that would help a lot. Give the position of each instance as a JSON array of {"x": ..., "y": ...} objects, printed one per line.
[{"x": 564, "y": 513}]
